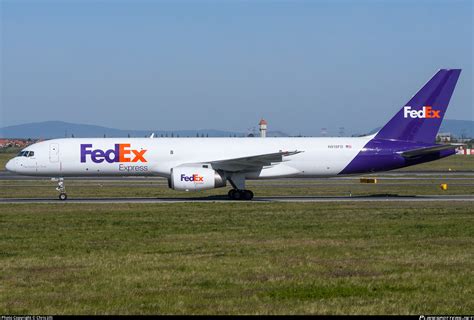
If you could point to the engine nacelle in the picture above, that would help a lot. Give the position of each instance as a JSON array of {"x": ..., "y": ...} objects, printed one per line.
[{"x": 195, "y": 178}]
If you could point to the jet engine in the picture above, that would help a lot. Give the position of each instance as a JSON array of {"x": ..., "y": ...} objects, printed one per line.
[{"x": 195, "y": 178}]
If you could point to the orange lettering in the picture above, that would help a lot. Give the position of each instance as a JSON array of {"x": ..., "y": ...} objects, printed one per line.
[
  {"x": 124, "y": 152},
  {"x": 138, "y": 155}
]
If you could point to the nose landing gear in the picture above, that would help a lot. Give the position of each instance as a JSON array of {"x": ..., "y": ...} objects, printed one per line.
[{"x": 61, "y": 188}]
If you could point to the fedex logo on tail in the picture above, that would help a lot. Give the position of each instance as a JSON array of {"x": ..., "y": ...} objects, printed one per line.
[
  {"x": 120, "y": 153},
  {"x": 194, "y": 178},
  {"x": 426, "y": 112}
]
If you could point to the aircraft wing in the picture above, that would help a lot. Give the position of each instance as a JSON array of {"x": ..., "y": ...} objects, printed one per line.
[
  {"x": 251, "y": 163},
  {"x": 428, "y": 150}
]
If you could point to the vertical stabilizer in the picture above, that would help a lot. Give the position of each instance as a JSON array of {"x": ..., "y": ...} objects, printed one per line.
[{"x": 419, "y": 120}]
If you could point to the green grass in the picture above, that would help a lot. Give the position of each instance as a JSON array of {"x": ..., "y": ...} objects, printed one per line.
[
  {"x": 4, "y": 157},
  {"x": 239, "y": 258},
  {"x": 159, "y": 188}
]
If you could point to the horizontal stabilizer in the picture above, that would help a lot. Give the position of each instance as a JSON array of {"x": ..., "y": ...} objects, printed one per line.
[{"x": 428, "y": 150}]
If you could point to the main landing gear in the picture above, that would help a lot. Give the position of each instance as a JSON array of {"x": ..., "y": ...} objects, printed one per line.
[
  {"x": 235, "y": 194},
  {"x": 61, "y": 188},
  {"x": 237, "y": 180}
]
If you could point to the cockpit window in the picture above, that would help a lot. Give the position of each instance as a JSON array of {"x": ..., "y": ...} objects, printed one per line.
[{"x": 26, "y": 154}]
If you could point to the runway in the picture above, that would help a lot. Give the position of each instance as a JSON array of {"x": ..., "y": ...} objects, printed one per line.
[
  {"x": 224, "y": 199},
  {"x": 398, "y": 175}
]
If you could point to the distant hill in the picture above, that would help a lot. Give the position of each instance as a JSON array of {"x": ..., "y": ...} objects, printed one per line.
[
  {"x": 457, "y": 128},
  {"x": 60, "y": 129}
]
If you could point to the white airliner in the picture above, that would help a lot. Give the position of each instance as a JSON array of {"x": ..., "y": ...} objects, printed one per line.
[{"x": 206, "y": 163}]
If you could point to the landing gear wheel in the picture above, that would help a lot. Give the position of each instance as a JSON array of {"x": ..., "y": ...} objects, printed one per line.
[
  {"x": 237, "y": 195},
  {"x": 240, "y": 194},
  {"x": 61, "y": 188},
  {"x": 247, "y": 195}
]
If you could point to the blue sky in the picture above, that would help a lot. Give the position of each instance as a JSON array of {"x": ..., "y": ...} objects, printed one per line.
[{"x": 302, "y": 65}]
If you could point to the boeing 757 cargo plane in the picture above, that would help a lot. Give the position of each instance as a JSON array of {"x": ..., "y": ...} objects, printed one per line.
[{"x": 197, "y": 164}]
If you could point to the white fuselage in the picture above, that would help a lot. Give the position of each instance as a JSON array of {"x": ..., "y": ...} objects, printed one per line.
[{"x": 318, "y": 157}]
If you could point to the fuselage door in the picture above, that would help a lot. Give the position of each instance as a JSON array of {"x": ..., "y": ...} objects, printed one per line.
[{"x": 53, "y": 152}]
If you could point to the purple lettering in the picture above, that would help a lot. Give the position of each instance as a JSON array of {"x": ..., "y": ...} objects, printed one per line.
[
  {"x": 110, "y": 152},
  {"x": 97, "y": 156},
  {"x": 193, "y": 178},
  {"x": 183, "y": 177},
  {"x": 117, "y": 153},
  {"x": 113, "y": 155},
  {"x": 84, "y": 151}
]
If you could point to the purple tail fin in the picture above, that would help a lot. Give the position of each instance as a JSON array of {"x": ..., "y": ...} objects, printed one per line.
[{"x": 419, "y": 120}]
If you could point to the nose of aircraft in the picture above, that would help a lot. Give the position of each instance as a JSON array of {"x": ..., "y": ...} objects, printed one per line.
[{"x": 10, "y": 166}]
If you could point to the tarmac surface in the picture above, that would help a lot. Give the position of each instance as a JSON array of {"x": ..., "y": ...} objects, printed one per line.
[
  {"x": 224, "y": 199},
  {"x": 462, "y": 178},
  {"x": 402, "y": 175}
]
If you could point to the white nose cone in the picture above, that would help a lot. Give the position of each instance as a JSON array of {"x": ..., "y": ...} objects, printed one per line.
[{"x": 10, "y": 166}]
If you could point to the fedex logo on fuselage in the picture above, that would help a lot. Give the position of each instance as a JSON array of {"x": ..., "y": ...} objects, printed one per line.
[
  {"x": 194, "y": 178},
  {"x": 426, "y": 112},
  {"x": 120, "y": 153}
]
